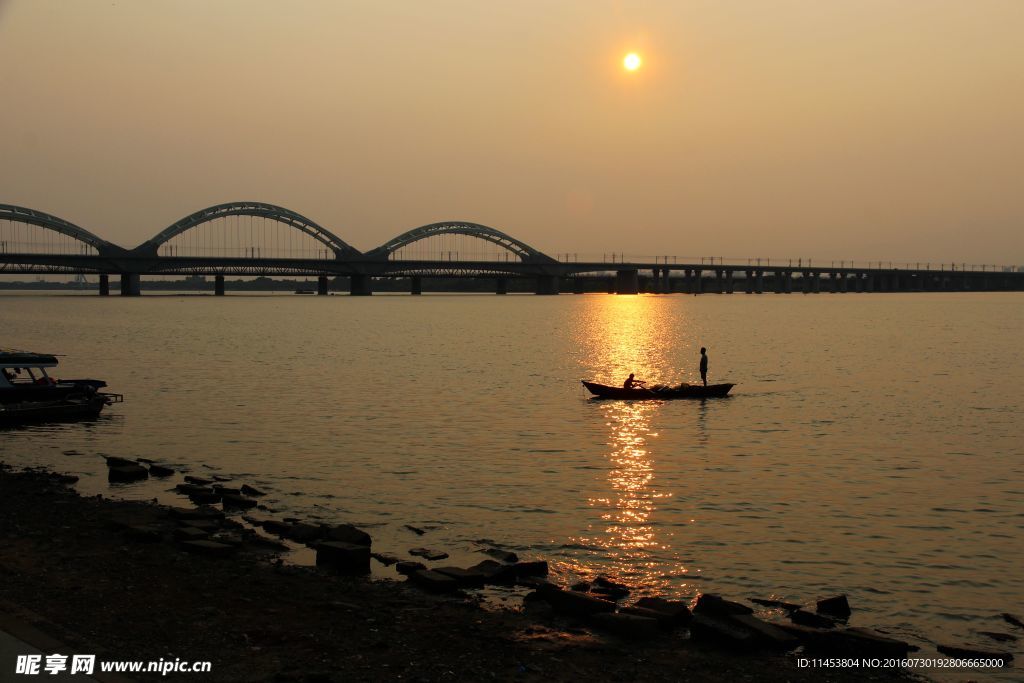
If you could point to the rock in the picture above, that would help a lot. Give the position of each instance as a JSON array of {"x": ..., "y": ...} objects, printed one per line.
[
  {"x": 534, "y": 568},
  {"x": 160, "y": 471},
  {"x": 198, "y": 481},
  {"x": 502, "y": 555},
  {"x": 676, "y": 611},
  {"x": 663, "y": 620},
  {"x": 466, "y": 578},
  {"x": 834, "y": 607},
  {"x": 720, "y": 630},
  {"x": 127, "y": 473},
  {"x": 431, "y": 580},
  {"x": 606, "y": 587},
  {"x": 715, "y": 605},
  {"x": 227, "y": 489},
  {"x": 143, "y": 533},
  {"x": 406, "y": 567},
  {"x": 114, "y": 461},
  {"x": 805, "y": 618},
  {"x": 1010, "y": 619},
  {"x": 190, "y": 533},
  {"x": 495, "y": 572},
  {"x": 1001, "y": 637},
  {"x": 385, "y": 559},
  {"x": 627, "y": 625},
  {"x": 415, "y": 530},
  {"x": 277, "y": 527},
  {"x": 766, "y": 634},
  {"x": 208, "y": 548},
  {"x": 788, "y": 606},
  {"x": 428, "y": 554},
  {"x": 578, "y": 604},
  {"x": 535, "y": 582},
  {"x": 66, "y": 479},
  {"x": 345, "y": 557},
  {"x": 349, "y": 534},
  {"x": 251, "y": 491},
  {"x": 207, "y": 525},
  {"x": 228, "y": 538},
  {"x": 581, "y": 587},
  {"x": 305, "y": 533},
  {"x": 231, "y": 500},
  {"x": 971, "y": 653},
  {"x": 200, "y": 494},
  {"x": 221, "y": 477}
]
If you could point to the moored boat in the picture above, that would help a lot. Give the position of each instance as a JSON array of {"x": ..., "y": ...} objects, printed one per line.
[
  {"x": 659, "y": 393},
  {"x": 29, "y": 394}
]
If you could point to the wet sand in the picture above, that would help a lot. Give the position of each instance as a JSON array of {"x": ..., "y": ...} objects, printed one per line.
[{"x": 81, "y": 571}]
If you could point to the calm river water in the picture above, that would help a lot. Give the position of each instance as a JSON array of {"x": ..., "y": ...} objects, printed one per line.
[{"x": 874, "y": 444}]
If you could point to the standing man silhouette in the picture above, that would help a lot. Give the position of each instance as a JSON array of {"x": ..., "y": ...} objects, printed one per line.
[{"x": 704, "y": 365}]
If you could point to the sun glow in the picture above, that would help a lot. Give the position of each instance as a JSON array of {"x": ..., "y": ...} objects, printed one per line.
[{"x": 632, "y": 61}]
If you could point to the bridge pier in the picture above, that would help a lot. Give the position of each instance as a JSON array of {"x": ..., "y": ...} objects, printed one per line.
[
  {"x": 218, "y": 285},
  {"x": 547, "y": 285},
  {"x": 729, "y": 283},
  {"x": 748, "y": 282},
  {"x": 816, "y": 282},
  {"x": 655, "y": 281},
  {"x": 667, "y": 287},
  {"x": 787, "y": 281},
  {"x": 321, "y": 285},
  {"x": 360, "y": 285},
  {"x": 130, "y": 284},
  {"x": 627, "y": 282},
  {"x": 759, "y": 282},
  {"x": 610, "y": 285},
  {"x": 698, "y": 282},
  {"x": 577, "y": 285},
  {"x": 416, "y": 285},
  {"x": 104, "y": 284},
  {"x": 719, "y": 281},
  {"x": 501, "y": 287}
]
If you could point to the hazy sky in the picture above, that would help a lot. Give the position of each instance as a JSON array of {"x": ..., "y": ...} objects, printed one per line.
[{"x": 792, "y": 128}]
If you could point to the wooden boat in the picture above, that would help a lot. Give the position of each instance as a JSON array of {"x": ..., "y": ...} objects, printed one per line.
[{"x": 659, "y": 393}]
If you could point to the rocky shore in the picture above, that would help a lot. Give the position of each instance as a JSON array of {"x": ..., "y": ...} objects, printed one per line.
[{"x": 134, "y": 580}]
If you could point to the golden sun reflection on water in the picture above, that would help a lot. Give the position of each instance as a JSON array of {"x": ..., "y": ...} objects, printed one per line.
[{"x": 621, "y": 335}]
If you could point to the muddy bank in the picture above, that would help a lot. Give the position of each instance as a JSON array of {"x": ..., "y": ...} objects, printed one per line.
[{"x": 115, "y": 579}]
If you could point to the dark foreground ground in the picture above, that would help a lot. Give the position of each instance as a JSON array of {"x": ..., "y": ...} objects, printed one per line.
[{"x": 68, "y": 566}]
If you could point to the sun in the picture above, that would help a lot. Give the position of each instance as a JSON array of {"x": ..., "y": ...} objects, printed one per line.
[{"x": 632, "y": 61}]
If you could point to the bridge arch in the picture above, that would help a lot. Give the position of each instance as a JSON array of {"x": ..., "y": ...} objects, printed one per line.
[
  {"x": 523, "y": 251},
  {"x": 272, "y": 212},
  {"x": 21, "y": 214}
]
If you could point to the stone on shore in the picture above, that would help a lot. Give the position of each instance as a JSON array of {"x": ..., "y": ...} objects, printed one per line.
[
  {"x": 721, "y": 630},
  {"x": 223, "y": 490},
  {"x": 675, "y": 611},
  {"x": 848, "y": 642},
  {"x": 190, "y": 533},
  {"x": 385, "y": 559},
  {"x": 466, "y": 578},
  {"x": 207, "y": 548},
  {"x": 766, "y": 634},
  {"x": 199, "y": 494},
  {"x": 348, "y": 534},
  {"x": 805, "y": 618},
  {"x": 198, "y": 481},
  {"x": 434, "y": 581},
  {"x": 834, "y": 607},
  {"x": 531, "y": 568},
  {"x": 276, "y": 527},
  {"x": 415, "y": 530},
  {"x": 715, "y": 605},
  {"x": 115, "y": 461},
  {"x": 344, "y": 557},
  {"x": 143, "y": 533},
  {"x": 502, "y": 555},
  {"x": 160, "y": 471},
  {"x": 577, "y": 604},
  {"x": 428, "y": 554},
  {"x": 407, "y": 567},
  {"x": 127, "y": 473},
  {"x": 237, "y": 502},
  {"x": 1001, "y": 637},
  {"x": 788, "y": 606},
  {"x": 203, "y": 512},
  {"x": 251, "y": 491},
  {"x": 608, "y": 588},
  {"x": 627, "y": 625},
  {"x": 971, "y": 653}
]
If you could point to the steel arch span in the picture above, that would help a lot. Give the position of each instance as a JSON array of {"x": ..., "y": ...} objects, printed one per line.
[
  {"x": 280, "y": 214},
  {"x": 45, "y": 220},
  {"x": 525, "y": 252}
]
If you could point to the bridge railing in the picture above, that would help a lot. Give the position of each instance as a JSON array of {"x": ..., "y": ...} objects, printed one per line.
[{"x": 612, "y": 258}]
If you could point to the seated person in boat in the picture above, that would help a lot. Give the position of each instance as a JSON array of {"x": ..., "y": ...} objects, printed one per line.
[{"x": 631, "y": 383}]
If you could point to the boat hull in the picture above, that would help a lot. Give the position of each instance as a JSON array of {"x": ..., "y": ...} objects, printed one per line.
[
  {"x": 663, "y": 394},
  {"x": 52, "y": 411}
]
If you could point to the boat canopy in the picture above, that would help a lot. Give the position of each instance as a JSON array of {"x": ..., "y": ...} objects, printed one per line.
[{"x": 10, "y": 358}]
